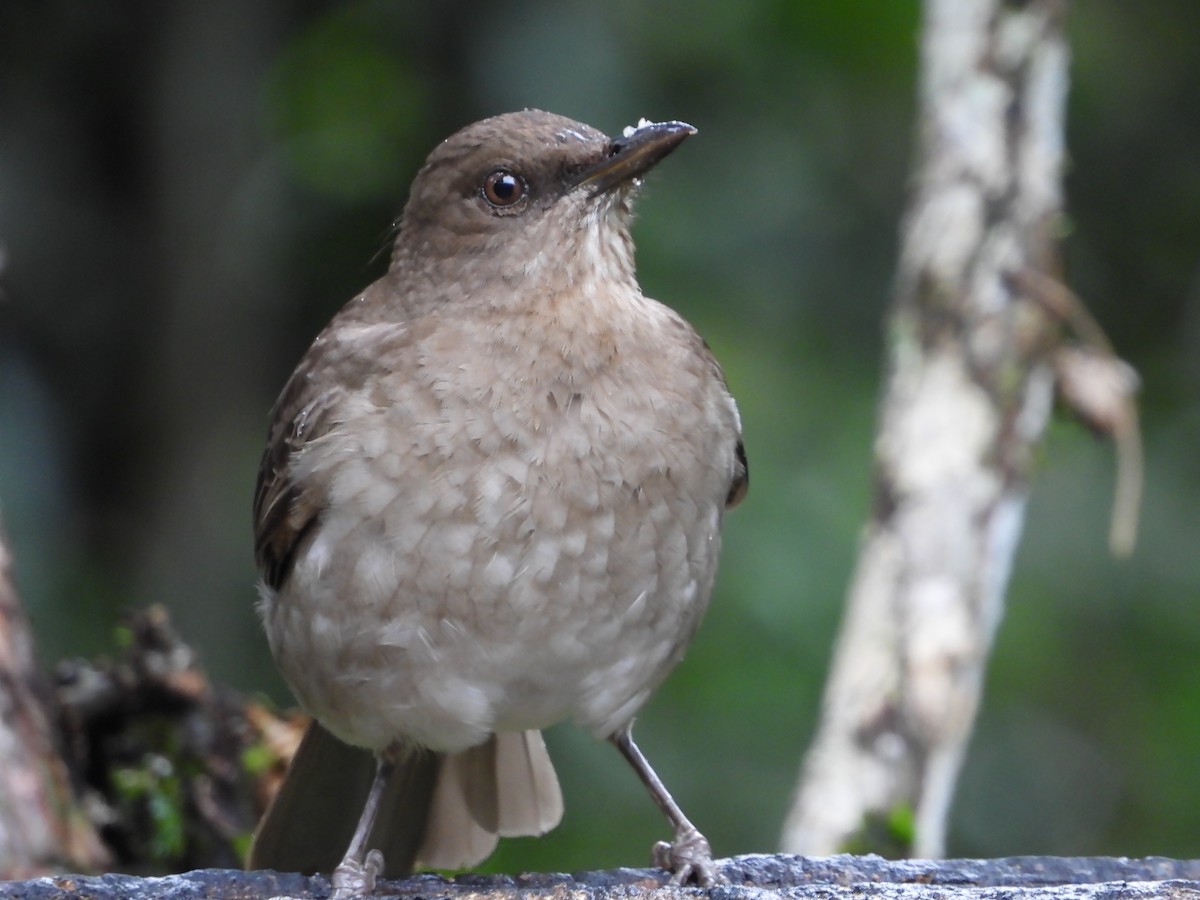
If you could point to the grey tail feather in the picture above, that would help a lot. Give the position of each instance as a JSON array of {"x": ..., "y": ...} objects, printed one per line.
[
  {"x": 505, "y": 786},
  {"x": 442, "y": 812},
  {"x": 309, "y": 824},
  {"x": 530, "y": 799}
]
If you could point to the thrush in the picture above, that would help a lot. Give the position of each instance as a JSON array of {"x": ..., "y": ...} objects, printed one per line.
[{"x": 491, "y": 500}]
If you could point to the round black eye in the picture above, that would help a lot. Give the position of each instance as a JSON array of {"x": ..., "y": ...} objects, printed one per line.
[{"x": 503, "y": 189}]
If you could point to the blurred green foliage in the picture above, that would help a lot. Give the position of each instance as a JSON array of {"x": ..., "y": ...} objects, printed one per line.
[
  {"x": 154, "y": 791},
  {"x": 188, "y": 191},
  {"x": 340, "y": 101}
]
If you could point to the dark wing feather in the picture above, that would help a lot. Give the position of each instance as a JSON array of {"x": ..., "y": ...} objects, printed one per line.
[
  {"x": 740, "y": 484},
  {"x": 283, "y": 511},
  {"x": 741, "y": 477},
  {"x": 336, "y": 365}
]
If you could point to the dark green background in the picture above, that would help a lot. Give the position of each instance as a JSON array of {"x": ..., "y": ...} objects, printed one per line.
[{"x": 189, "y": 190}]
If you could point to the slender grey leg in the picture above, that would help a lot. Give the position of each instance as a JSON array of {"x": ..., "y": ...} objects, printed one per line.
[
  {"x": 689, "y": 857},
  {"x": 356, "y": 873}
]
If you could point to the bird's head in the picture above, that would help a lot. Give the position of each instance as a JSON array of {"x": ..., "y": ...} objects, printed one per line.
[{"x": 528, "y": 199}]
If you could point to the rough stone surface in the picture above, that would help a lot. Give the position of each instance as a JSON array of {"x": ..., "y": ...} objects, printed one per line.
[{"x": 751, "y": 876}]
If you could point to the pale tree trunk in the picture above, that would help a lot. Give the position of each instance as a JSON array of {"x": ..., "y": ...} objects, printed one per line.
[
  {"x": 977, "y": 344},
  {"x": 41, "y": 827}
]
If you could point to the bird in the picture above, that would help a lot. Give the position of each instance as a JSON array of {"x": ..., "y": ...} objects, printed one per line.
[{"x": 491, "y": 500}]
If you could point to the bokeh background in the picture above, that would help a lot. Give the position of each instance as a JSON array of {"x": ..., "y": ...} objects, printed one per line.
[{"x": 189, "y": 190}]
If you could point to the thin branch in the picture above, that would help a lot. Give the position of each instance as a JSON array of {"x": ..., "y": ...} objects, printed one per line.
[{"x": 970, "y": 383}]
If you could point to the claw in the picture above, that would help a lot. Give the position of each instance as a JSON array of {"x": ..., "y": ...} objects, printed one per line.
[
  {"x": 689, "y": 860},
  {"x": 353, "y": 878}
]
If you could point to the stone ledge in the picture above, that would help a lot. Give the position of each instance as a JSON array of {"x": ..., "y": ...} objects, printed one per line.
[{"x": 750, "y": 876}]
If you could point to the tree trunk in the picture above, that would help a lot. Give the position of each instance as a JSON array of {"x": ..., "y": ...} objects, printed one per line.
[
  {"x": 41, "y": 828},
  {"x": 970, "y": 383}
]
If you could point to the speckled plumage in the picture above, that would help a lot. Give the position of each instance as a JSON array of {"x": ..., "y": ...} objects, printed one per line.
[{"x": 493, "y": 489}]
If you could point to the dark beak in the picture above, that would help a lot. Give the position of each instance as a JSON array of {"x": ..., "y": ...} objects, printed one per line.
[{"x": 627, "y": 158}]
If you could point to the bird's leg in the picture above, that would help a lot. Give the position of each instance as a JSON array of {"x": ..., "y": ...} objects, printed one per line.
[
  {"x": 688, "y": 857},
  {"x": 356, "y": 873}
]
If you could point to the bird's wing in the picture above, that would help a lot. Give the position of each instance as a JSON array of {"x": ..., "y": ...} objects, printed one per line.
[
  {"x": 283, "y": 510},
  {"x": 739, "y": 484},
  {"x": 339, "y": 363},
  {"x": 741, "y": 476}
]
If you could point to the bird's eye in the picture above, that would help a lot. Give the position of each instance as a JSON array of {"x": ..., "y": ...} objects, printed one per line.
[{"x": 503, "y": 189}]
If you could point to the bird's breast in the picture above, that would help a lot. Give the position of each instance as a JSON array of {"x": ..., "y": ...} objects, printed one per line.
[{"x": 519, "y": 529}]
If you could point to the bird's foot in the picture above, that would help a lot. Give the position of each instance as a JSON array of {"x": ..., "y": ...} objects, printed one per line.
[
  {"x": 355, "y": 877},
  {"x": 689, "y": 859}
]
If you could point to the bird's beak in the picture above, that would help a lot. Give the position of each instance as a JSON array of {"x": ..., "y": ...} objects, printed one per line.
[{"x": 632, "y": 155}]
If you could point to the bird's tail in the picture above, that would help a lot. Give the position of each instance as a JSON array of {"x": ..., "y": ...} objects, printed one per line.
[
  {"x": 441, "y": 812},
  {"x": 505, "y": 786}
]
